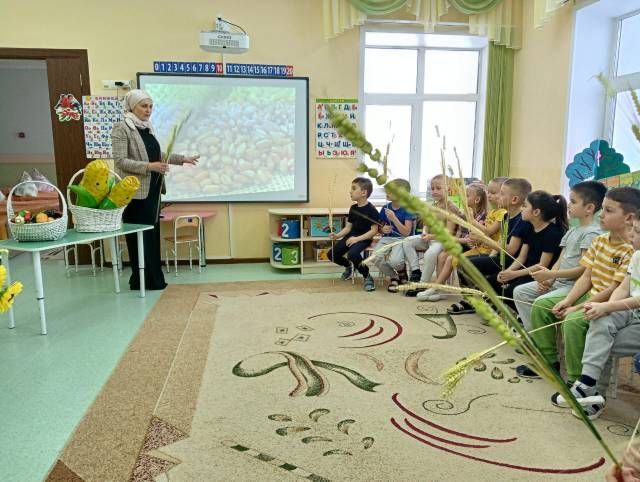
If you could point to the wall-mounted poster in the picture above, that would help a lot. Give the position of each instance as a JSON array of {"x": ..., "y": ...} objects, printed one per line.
[
  {"x": 329, "y": 142},
  {"x": 68, "y": 108},
  {"x": 100, "y": 114}
]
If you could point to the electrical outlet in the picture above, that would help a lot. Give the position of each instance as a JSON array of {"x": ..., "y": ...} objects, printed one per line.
[{"x": 116, "y": 84}]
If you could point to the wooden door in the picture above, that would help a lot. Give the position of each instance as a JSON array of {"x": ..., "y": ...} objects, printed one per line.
[
  {"x": 68, "y": 73},
  {"x": 65, "y": 77}
]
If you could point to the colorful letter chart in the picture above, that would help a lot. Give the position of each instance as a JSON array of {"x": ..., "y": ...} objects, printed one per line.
[
  {"x": 100, "y": 114},
  {"x": 329, "y": 142}
]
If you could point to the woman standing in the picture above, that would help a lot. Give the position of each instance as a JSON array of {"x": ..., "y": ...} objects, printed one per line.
[{"x": 136, "y": 152}]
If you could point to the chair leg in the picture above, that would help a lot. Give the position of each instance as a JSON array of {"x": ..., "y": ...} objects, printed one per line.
[
  {"x": 614, "y": 377},
  {"x": 190, "y": 257},
  {"x": 75, "y": 256},
  {"x": 175, "y": 258}
]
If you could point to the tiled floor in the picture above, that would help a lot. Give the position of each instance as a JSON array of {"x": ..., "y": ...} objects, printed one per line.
[{"x": 47, "y": 382}]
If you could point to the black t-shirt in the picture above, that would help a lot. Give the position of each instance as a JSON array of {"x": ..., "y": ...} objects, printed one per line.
[
  {"x": 518, "y": 227},
  {"x": 546, "y": 240},
  {"x": 362, "y": 218}
]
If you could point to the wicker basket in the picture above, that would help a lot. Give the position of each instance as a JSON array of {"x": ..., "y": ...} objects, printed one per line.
[
  {"x": 50, "y": 231},
  {"x": 90, "y": 220}
]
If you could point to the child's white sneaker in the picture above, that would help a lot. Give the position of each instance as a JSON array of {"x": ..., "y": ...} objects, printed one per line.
[
  {"x": 585, "y": 395},
  {"x": 424, "y": 295}
]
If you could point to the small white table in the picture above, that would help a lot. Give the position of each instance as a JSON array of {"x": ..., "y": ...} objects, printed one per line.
[{"x": 72, "y": 237}]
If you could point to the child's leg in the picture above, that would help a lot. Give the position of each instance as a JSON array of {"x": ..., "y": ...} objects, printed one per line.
[
  {"x": 626, "y": 343},
  {"x": 355, "y": 256},
  {"x": 410, "y": 246},
  {"x": 524, "y": 296},
  {"x": 442, "y": 258},
  {"x": 600, "y": 338},
  {"x": 429, "y": 261},
  {"x": 396, "y": 259},
  {"x": 336, "y": 254},
  {"x": 541, "y": 315},
  {"x": 574, "y": 332},
  {"x": 380, "y": 256},
  {"x": 487, "y": 265},
  {"x": 444, "y": 272},
  {"x": 511, "y": 286}
]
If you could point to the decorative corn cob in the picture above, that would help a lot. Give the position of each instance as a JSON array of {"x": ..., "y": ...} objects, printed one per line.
[
  {"x": 94, "y": 185},
  {"x": 121, "y": 193},
  {"x": 96, "y": 179}
]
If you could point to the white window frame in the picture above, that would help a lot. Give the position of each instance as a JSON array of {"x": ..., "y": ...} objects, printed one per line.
[
  {"x": 416, "y": 100},
  {"x": 619, "y": 83}
]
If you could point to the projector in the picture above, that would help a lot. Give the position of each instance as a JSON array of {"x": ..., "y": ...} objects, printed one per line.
[{"x": 224, "y": 42}]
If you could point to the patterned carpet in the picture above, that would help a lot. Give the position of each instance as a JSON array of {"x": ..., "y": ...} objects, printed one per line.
[{"x": 318, "y": 380}]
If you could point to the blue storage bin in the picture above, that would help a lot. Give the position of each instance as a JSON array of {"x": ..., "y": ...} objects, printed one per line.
[
  {"x": 290, "y": 228},
  {"x": 276, "y": 252}
]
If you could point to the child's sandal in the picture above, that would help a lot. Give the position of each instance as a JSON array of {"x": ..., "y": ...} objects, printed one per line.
[
  {"x": 393, "y": 286},
  {"x": 461, "y": 308}
]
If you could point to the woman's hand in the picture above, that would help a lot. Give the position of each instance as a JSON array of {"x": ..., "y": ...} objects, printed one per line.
[
  {"x": 158, "y": 166},
  {"x": 193, "y": 160}
]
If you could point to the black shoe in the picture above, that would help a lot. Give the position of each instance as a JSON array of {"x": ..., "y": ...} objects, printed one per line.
[
  {"x": 402, "y": 277},
  {"x": 413, "y": 293},
  {"x": 525, "y": 372},
  {"x": 416, "y": 274}
]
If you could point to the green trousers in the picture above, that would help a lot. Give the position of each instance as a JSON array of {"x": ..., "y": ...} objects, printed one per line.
[{"x": 574, "y": 332}]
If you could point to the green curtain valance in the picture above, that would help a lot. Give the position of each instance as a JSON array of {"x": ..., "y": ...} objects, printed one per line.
[
  {"x": 378, "y": 7},
  {"x": 474, "y": 7}
]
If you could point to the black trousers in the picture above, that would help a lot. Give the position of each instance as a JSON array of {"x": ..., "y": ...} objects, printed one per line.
[
  {"x": 353, "y": 252},
  {"x": 489, "y": 266},
  {"x": 145, "y": 211}
]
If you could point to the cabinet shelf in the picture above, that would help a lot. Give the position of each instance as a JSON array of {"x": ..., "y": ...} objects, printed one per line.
[{"x": 303, "y": 215}]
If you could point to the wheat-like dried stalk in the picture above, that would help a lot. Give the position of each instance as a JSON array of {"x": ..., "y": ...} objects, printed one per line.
[{"x": 504, "y": 322}]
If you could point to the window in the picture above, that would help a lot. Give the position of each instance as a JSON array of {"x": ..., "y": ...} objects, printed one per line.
[
  {"x": 625, "y": 75},
  {"x": 412, "y": 82}
]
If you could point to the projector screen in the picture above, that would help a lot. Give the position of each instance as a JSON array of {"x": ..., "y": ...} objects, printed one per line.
[{"x": 252, "y": 135}]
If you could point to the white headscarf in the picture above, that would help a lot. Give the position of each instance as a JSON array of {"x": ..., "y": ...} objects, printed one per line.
[{"x": 133, "y": 98}]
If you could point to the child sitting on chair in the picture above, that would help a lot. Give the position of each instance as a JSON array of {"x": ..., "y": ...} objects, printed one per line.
[
  {"x": 477, "y": 202},
  {"x": 360, "y": 228},
  {"x": 397, "y": 224},
  {"x": 426, "y": 242}
]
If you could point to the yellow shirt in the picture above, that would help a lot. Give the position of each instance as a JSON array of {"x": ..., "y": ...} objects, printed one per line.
[
  {"x": 608, "y": 262},
  {"x": 495, "y": 216}
]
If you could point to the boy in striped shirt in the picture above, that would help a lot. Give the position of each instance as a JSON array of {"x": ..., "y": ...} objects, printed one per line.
[{"x": 605, "y": 263}]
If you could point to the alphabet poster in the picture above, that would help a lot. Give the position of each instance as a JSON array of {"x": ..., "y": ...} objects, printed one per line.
[
  {"x": 329, "y": 142},
  {"x": 100, "y": 114}
]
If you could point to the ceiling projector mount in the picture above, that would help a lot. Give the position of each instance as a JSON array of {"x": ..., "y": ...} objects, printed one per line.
[{"x": 223, "y": 40}]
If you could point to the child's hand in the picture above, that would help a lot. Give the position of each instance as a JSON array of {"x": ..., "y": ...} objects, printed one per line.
[
  {"x": 427, "y": 237},
  {"x": 390, "y": 214},
  {"x": 630, "y": 468},
  {"x": 506, "y": 276},
  {"x": 386, "y": 229},
  {"x": 560, "y": 308},
  {"x": 593, "y": 310},
  {"x": 571, "y": 309},
  {"x": 543, "y": 288},
  {"x": 540, "y": 273}
]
